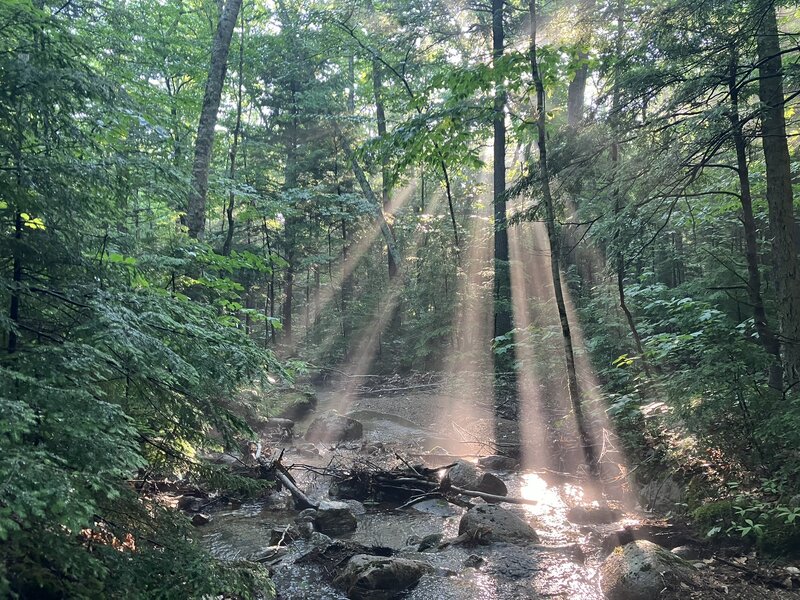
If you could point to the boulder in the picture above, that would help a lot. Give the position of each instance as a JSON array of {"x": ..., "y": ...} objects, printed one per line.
[
  {"x": 468, "y": 476},
  {"x": 367, "y": 577},
  {"x": 191, "y": 503},
  {"x": 595, "y": 515},
  {"x": 473, "y": 561},
  {"x": 430, "y": 541},
  {"x": 332, "y": 427},
  {"x": 661, "y": 495},
  {"x": 334, "y": 518},
  {"x": 497, "y": 462},
  {"x": 503, "y": 525},
  {"x": 200, "y": 519},
  {"x": 643, "y": 570}
]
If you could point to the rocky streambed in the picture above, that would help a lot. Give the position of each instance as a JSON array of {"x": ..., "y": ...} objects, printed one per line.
[{"x": 565, "y": 545}]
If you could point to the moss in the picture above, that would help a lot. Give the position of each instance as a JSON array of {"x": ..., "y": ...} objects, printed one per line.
[
  {"x": 289, "y": 403},
  {"x": 713, "y": 513}
]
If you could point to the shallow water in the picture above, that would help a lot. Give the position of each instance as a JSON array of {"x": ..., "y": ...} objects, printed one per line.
[{"x": 510, "y": 572}]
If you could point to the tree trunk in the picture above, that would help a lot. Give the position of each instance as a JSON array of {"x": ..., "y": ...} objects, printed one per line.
[
  {"x": 366, "y": 189},
  {"x": 576, "y": 91},
  {"x": 196, "y": 213},
  {"x": 237, "y": 131},
  {"x": 386, "y": 188},
  {"x": 765, "y": 333},
  {"x": 502, "y": 274},
  {"x": 555, "y": 266},
  {"x": 779, "y": 190}
]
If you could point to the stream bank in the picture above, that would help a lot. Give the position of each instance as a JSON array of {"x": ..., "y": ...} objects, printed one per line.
[{"x": 502, "y": 570}]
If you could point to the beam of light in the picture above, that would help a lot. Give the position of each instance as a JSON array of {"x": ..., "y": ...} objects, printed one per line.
[
  {"x": 545, "y": 396},
  {"x": 465, "y": 399},
  {"x": 536, "y": 447},
  {"x": 346, "y": 268},
  {"x": 368, "y": 340}
]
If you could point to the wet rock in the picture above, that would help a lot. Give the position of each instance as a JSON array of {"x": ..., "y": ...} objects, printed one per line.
[
  {"x": 643, "y": 570},
  {"x": 435, "y": 506},
  {"x": 367, "y": 577},
  {"x": 306, "y": 516},
  {"x": 191, "y": 503},
  {"x": 356, "y": 507},
  {"x": 473, "y": 561},
  {"x": 430, "y": 541},
  {"x": 497, "y": 462},
  {"x": 512, "y": 562},
  {"x": 503, "y": 525},
  {"x": 661, "y": 495},
  {"x": 593, "y": 515},
  {"x": 200, "y": 519},
  {"x": 332, "y": 427},
  {"x": 334, "y": 518},
  {"x": 468, "y": 476}
]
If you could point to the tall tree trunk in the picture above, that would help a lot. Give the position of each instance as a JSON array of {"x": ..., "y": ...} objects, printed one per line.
[
  {"x": 380, "y": 113},
  {"x": 237, "y": 131},
  {"x": 555, "y": 266},
  {"x": 366, "y": 189},
  {"x": 779, "y": 190},
  {"x": 502, "y": 271},
  {"x": 576, "y": 91},
  {"x": 765, "y": 334},
  {"x": 196, "y": 213},
  {"x": 290, "y": 221}
]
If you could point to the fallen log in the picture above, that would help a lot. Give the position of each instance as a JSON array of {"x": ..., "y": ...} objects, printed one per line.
[
  {"x": 492, "y": 497},
  {"x": 301, "y": 501}
]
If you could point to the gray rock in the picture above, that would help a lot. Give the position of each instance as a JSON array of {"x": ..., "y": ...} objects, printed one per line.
[
  {"x": 191, "y": 503},
  {"x": 661, "y": 495},
  {"x": 593, "y": 515},
  {"x": 503, "y": 525},
  {"x": 332, "y": 427},
  {"x": 497, "y": 462},
  {"x": 473, "y": 561},
  {"x": 468, "y": 476},
  {"x": 430, "y": 541},
  {"x": 334, "y": 518},
  {"x": 642, "y": 570},
  {"x": 435, "y": 506},
  {"x": 367, "y": 577},
  {"x": 306, "y": 516},
  {"x": 200, "y": 519}
]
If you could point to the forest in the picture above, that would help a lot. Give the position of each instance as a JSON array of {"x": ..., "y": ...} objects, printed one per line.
[{"x": 560, "y": 232}]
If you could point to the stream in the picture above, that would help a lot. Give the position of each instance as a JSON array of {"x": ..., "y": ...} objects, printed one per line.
[{"x": 507, "y": 572}]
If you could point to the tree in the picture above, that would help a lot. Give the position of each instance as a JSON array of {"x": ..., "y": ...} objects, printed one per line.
[
  {"x": 196, "y": 212},
  {"x": 586, "y": 441},
  {"x": 779, "y": 187}
]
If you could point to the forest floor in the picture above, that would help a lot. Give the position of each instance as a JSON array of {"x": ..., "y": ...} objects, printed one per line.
[{"x": 420, "y": 422}]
